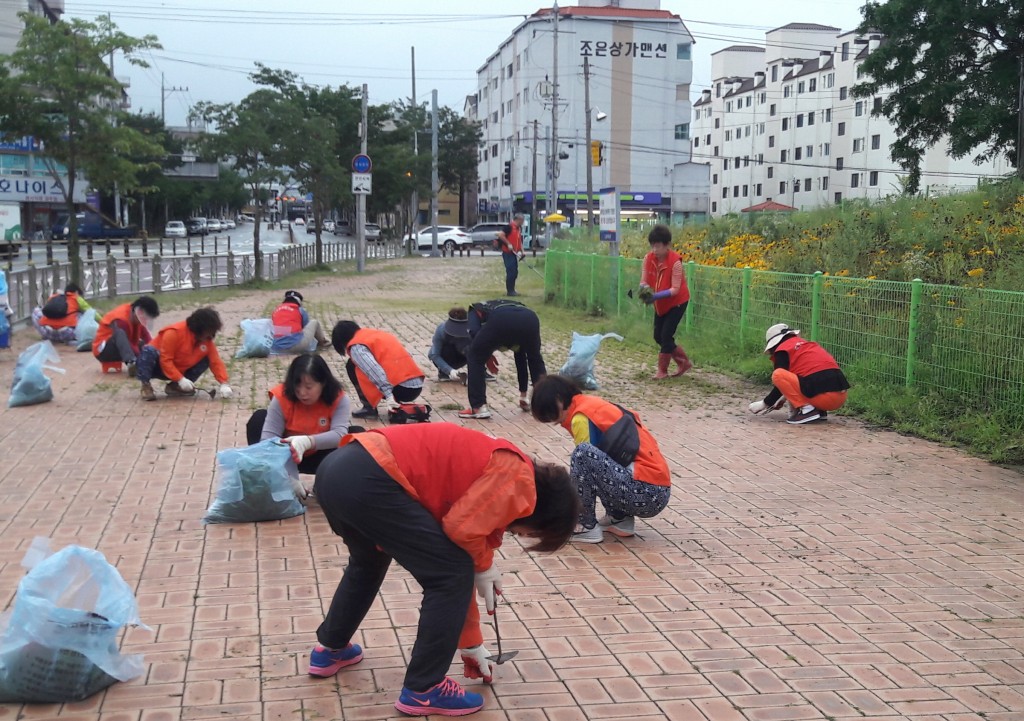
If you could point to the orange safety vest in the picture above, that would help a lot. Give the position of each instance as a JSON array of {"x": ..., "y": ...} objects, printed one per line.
[
  {"x": 515, "y": 240},
  {"x": 122, "y": 313},
  {"x": 398, "y": 365},
  {"x": 179, "y": 351},
  {"x": 649, "y": 465},
  {"x": 303, "y": 420},
  {"x": 661, "y": 273},
  {"x": 805, "y": 356},
  {"x": 71, "y": 319},
  {"x": 286, "y": 319}
]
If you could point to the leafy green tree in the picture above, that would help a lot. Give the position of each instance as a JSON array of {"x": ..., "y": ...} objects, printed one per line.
[
  {"x": 57, "y": 88},
  {"x": 951, "y": 71},
  {"x": 457, "y": 141}
]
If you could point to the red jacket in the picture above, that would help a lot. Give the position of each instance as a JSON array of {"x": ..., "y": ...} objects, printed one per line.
[
  {"x": 398, "y": 365},
  {"x": 303, "y": 420},
  {"x": 472, "y": 484},
  {"x": 659, "y": 277},
  {"x": 514, "y": 240},
  {"x": 805, "y": 356},
  {"x": 179, "y": 351},
  {"x": 122, "y": 317},
  {"x": 71, "y": 319},
  {"x": 287, "y": 319}
]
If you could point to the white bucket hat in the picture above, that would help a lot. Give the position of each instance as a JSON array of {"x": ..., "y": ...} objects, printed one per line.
[{"x": 775, "y": 335}]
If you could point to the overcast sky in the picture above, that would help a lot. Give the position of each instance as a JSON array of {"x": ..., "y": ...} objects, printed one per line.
[{"x": 210, "y": 46}]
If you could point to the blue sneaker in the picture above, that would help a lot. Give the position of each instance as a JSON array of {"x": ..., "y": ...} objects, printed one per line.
[
  {"x": 447, "y": 698},
  {"x": 324, "y": 662}
]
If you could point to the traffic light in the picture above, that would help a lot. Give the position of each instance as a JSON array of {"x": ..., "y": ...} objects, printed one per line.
[
  {"x": 596, "y": 152},
  {"x": 506, "y": 177}
]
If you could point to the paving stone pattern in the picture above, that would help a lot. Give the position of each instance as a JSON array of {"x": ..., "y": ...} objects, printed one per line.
[{"x": 827, "y": 571}]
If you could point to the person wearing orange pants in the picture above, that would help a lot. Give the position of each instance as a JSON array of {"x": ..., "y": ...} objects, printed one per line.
[{"x": 805, "y": 374}]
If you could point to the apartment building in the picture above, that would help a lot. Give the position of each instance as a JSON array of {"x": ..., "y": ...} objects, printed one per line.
[
  {"x": 639, "y": 69},
  {"x": 780, "y": 124}
]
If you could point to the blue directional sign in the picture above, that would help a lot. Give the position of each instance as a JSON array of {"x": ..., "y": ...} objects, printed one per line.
[{"x": 361, "y": 164}]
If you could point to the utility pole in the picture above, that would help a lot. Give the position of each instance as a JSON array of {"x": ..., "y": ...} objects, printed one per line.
[
  {"x": 163, "y": 97},
  {"x": 533, "y": 189},
  {"x": 1020, "y": 118},
  {"x": 590, "y": 163},
  {"x": 415, "y": 200},
  {"x": 113, "y": 122},
  {"x": 550, "y": 185},
  {"x": 553, "y": 153},
  {"x": 361, "y": 197},
  {"x": 435, "y": 183}
]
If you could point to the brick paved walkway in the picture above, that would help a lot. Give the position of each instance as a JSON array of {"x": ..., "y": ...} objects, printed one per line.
[{"x": 816, "y": 572}]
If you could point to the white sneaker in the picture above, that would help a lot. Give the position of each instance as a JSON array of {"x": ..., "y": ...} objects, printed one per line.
[
  {"x": 480, "y": 412},
  {"x": 588, "y": 535}
]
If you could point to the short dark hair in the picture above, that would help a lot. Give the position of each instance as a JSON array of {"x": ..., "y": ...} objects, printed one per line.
[
  {"x": 549, "y": 393},
  {"x": 343, "y": 333},
  {"x": 660, "y": 233},
  {"x": 203, "y": 322},
  {"x": 72, "y": 288},
  {"x": 148, "y": 305},
  {"x": 458, "y": 313},
  {"x": 293, "y": 296},
  {"x": 316, "y": 368},
  {"x": 557, "y": 512}
]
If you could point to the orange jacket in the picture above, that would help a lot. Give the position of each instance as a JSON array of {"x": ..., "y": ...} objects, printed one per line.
[
  {"x": 649, "y": 465},
  {"x": 303, "y": 420},
  {"x": 71, "y": 319},
  {"x": 398, "y": 365},
  {"x": 659, "y": 277},
  {"x": 179, "y": 351},
  {"x": 122, "y": 316},
  {"x": 474, "y": 485},
  {"x": 514, "y": 240},
  {"x": 286, "y": 319}
]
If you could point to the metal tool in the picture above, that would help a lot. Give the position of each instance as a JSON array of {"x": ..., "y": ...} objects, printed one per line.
[
  {"x": 211, "y": 391},
  {"x": 501, "y": 657}
]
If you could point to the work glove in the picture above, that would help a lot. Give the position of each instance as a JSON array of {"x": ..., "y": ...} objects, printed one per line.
[
  {"x": 758, "y": 407},
  {"x": 492, "y": 365},
  {"x": 488, "y": 586},
  {"x": 225, "y": 391},
  {"x": 186, "y": 385},
  {"x": 300, "y": 446},
  {"x": 301, "y": 492},
  {"x": 475, "y": 663},
  {"x": 392, "y": 404}
]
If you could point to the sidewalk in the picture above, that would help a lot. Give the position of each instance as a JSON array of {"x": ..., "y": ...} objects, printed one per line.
[{"x": 826, "y": 571}]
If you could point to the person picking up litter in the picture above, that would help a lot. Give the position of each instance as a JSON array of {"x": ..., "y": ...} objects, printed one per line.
[{"x": 181, "y": 353}]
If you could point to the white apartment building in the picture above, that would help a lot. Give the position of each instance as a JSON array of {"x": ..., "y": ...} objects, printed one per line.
[
  {"x": 639, "y": 78},
  {"x": 780, "y": 124},
  {"x": 11, "y": 25}
]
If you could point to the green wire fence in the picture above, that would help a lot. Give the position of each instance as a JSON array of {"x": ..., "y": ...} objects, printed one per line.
[{"x": 964, "y": 344}]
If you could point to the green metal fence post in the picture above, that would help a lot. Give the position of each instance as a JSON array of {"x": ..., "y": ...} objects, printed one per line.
[
  {"x": 565, "y": 280},
  {"x": 916, "y": 286},
  {"x": 593, "y": 277},
  {"x": 618, "y": 285},
  {"x": 816, "y": 285},
  {"x": 748, "y": 274},
  {"x": 691, "y": 276}
]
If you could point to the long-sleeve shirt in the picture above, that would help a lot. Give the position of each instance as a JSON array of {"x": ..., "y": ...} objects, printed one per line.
[
  {"x": 437, "y": 345},
  {"x": 273, "y": 426},
  {"x": 365, "y": 361},
  {"x": 287, "y": 342}
]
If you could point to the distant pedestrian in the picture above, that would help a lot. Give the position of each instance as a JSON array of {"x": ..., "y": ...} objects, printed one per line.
[
  {"x": 379, "y": 367},
  {"x": 57, "y": 319},
  {"x": 294, "y": 331},
  {"x": 805, "y": 374},
  {"x": 124, "y": 331},
  {"x": 663, "y": 284},
  {"x": 181, "y": 353},
  {"x": 510, "y": 242}
]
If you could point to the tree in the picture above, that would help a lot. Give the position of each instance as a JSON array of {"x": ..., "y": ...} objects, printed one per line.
[
  {"x": 458, "y": 140},
  {"x": 62, "y": 93},
  {"x": 952, "y": 71}
]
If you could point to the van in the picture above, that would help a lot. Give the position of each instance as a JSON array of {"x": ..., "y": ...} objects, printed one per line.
[{"x": 91, "y": 226}]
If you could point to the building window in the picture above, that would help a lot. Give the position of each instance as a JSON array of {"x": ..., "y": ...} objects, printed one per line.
[
  {"x": 796, "y": 185},
  {"x": 746, "y": 103},
  {"x": 760, "y": 128},
  {"x": 718, "y": 90},
  {"x": 745, "y": 191},
  {"x": 771, "y": 171},
  {"x": 841, "y": 129},
  {"x": 824, "y": 182},
  {"x": 771, "y": 141},
  {"x": 728, "y": 107},
  {"x": 494, "y": 150},
  {"x": 746, "y": 164},
  {"x": 785, "y": 123},
  {"x": 807, "y": 184},
  {"x": 783, "y": 156},
  {"x": 800, "y": 87},
  {"x": 508, "y": 71},
  {"x": 855, "y": 180},
  {"x": 812, "y": 85},
  {"x": 829, "y": 81},
  {"x": 771, "y": 109},
  {"x": 683, "y": 131},
  {"x": 682, "y": 51},
  {"x": 725, "y": 192},
  {"x": 858, "y": 108},
  {"x": 775, "y": 73},
  {"x": 809, "y": 151},
  {"x": 762, "y": 98},
  {"x": 839, "y": 163},
  {"x": 715, "y": 153},
  {"x": 735, "y": 191},
  {"x": 696, "y": 142},
  {"x": 828, "y": 115},
  {"x": 810, "y": 118},
  {"x": 746, "y": 131},
  {"x": 876, "y": 105},
  {"x": 782, "y": 187},
  {"x": 714, "y": 207},
  {"x": 876, "y": 142},
  {"x": 725, "y": 164},
  {"x": 873, "y": 178},
  {"x": 714, "y": 179},
  {"x": 845, "y": 52},
  {"x": 826, "y": 149},
  {"x": 798, "y": 153},
  {"x": 842, "y": 93},
  {"x": 707, "y": 139},
  {"x": 728, "y": 135},
  {"x": 760, "y": 158},
  {"x": 800, "y": 120},
  {"x": 757, "y": 190},
  {"x": 717, "y": 123},
  {"x": 858, "y": 145},
  {"x": 787, "y": 90},
  {"x": 839, "y": 198}
]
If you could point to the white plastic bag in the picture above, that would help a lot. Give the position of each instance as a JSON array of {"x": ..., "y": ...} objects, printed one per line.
[
  {"x": 31, "y": 385},
  {"x": 257, "y": 483},
  {"x": 257, "y": 338},
  {"x": 85, "y": 330},
  {"x": 582, "y": 353}
]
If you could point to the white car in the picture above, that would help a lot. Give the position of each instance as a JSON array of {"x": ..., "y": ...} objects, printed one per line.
[
  {"x": 227, "y": 224},
  {"x": 175, "y": 229},
  {"x": 372, "y": 232},
  {"x": 449, "y": 237},
  {"x": 213, "y": 225}
]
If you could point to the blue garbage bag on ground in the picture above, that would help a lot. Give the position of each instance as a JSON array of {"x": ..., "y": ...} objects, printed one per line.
[
  {"x": 257, "y": 338},
  {"x": 257, "y": 483},
  {"x": 31, "y": 385},
  {"x": 60, "y": 643},
  {"x": 85, "y": 330},
  {"x": 582, "y": 354},
  {"x": 5, "y": 328}
]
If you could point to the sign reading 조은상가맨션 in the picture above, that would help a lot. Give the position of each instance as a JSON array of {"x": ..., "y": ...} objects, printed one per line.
[
  {"x": 603, "y": 49},
  {"x": 35, "y": 189}
]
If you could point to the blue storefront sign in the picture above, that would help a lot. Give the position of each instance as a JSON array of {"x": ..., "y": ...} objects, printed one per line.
[{"x": 24, "y": 144}]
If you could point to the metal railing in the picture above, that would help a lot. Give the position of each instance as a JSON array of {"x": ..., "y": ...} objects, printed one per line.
[{"x": 964, "y": 344}]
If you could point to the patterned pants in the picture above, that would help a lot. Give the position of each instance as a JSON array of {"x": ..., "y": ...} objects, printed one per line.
[
  {"x": 598, "y": 476},
  {"x": 56, "y": 335}
]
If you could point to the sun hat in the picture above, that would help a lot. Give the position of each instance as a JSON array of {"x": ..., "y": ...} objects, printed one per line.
[
  {"x": 457, "y": 327},
  {"x": 776, "y": 334},
  {"x": 293, "y": 296}
]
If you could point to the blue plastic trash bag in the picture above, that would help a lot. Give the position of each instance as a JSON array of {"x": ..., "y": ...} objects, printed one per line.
[
  {"x": 257, "y": 338},
  {"x": 5, "y": 328},
  {"x": 85, "y": 330},
  {"x": 31, "y": 385},
  {"x": 257, "y": 483},
  {"x": 60, "y": 643},
  {"x": 582, "y": 353}
]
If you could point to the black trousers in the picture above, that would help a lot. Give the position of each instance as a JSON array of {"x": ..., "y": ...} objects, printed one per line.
[
  {"x": 505, "y": 327},
  {"x": 379, "y": 520},
  {"x": 402, "y": 394},
  {"x": 665, "y": 328},
  {"x": 254, "y": 430}
]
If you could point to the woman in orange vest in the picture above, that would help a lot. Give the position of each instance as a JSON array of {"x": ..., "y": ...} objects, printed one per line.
[
  {"x": 437, "y": 498},
  {"x": 294, "y": 330},
  {"x": 805, "y": 374},
  {"x": 378, "y": 366},
  {"x": 181, "y": 353},
  {"x": 124, "y": 331},
  {"x": 663, "y": 284},
  {"x": 309, "y": 411},
  {"x": 616, "y": 458},
  {"x": 57, "y": 319}
]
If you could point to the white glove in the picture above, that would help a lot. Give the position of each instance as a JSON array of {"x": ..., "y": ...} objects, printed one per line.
[
  {"x": 225, "y": 391},
  {"x": 475, "y": 663},
  {"x": 186, "y": 385},
  {"x": 488, "y": 585},
  {"x": 300, "y": 446},
  {"x": 301, "y": 492},
  {"x": 392, "y": 404},
  {"x": 758, "y": 407}
]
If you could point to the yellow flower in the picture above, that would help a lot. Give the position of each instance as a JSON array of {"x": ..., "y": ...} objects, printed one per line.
[{"x": 976, "y": 272}]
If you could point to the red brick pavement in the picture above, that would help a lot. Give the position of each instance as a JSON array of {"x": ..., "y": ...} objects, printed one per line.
[{"x": 816, "y": 572}]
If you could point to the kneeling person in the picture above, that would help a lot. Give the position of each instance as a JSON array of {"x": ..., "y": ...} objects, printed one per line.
[
  {"x": 181, "y": 353},
  {"x": 57, "y": 319},
  {"x": 124, "y": 331},
  {"x": 378, "y": 366}
]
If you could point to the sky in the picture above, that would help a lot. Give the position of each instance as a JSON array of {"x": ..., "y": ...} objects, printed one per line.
[{"x": 210, "y": 46}]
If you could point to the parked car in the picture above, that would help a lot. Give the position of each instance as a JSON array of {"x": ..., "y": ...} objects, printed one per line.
[
  {"x": 299, "y": 221},
  {"x": 449, "y": 237},
  {"x": 213, "y": 225},
  {"x": 196, "y": 226},
  {"x": 329, "y": 226},
  {"x": 372, "y": 231},
  {"x": 486, "y": 234},
  {"x": 175, "y": 229},
  {"x": 343, "y": 227},
  {"x": 243, "y": 218},
  {"x": 91, "y": 225},
  {"x": 228, "y": 224},
  {"x": 310, "y": 227}
]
